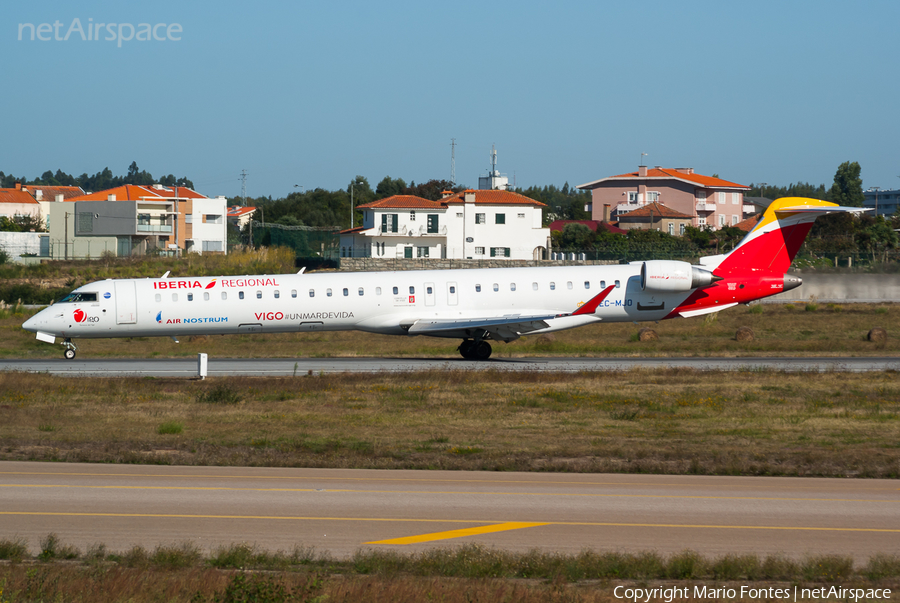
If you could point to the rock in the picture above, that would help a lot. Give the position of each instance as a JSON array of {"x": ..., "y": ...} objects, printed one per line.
[
  {"x": 878, "y": 335},
  {"x": 744, "y": 334},
  {"x": 647, "y": 334}
]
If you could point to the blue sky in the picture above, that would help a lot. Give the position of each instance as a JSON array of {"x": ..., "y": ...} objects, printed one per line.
[{"x": 313, "y": 93}]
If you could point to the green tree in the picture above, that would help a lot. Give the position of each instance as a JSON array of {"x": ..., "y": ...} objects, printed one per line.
[
  {"x": 847, "y": 187},
  {"x": 576, "y": 236},
  {"x": 388, "y": 187}
]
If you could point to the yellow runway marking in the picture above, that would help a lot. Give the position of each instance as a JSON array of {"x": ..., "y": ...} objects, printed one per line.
[
  {"x": 854, "y": 486},
  {"x": 469, "y": 521},
  {"x": 499, "y": 527},
  {"x": 445, "y": 493}
]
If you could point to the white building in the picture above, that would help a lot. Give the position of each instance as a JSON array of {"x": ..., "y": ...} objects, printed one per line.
[{"x": 479, "y": 224}]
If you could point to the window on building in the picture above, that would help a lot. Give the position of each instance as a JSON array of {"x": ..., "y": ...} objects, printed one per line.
[
  {"x": 189, "y": 218},
  {"x": 85, "y": 221},
  {"x": 652, "y": 196},
  {"x": 412, "y": 216},
  {"x": 389, "y": 222},
  {"x": 671, "y": 228},
  {"x": 633, "y": 196},
  {"x": 681, "y": 229},
  {"x": 213, "y": 219},
  {"x": 432, "y": 223},
  {"x": 479, "y": 218},
  {"x": 520, "y": 215},
  {"x": 701, "y": 196},
  {"x": 721, "y": 220},
  {"x": 721, "y": 198},
  {"x": 499, "y": 218},
  {"x": 734, "y": 220},
  {"x": 499, "y": 252},
  {"x": 459, "y": 214},
  {"x": 407, "y": 253},
  {"x": 701, "y": 221},
  {"x": 479, "y": 251},
  {"x": 421, "y": 252},
  {"x": 212, "y": 246},
  {"x": 735, "y": 198}
]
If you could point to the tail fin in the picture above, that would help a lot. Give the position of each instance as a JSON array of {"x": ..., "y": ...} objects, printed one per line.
[{"x": 773, "y": 243}]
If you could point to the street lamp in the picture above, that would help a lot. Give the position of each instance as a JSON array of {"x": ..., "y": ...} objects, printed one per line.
[{"x": 352, "y": 184}]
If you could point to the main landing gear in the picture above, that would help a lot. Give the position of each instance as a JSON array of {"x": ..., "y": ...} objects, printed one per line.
[
  {"x": 475, "y": 350},
  {"x": 70, "y": 348}
]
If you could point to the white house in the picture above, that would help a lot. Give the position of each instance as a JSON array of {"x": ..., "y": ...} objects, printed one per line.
[{"x": 479, "y": 224}]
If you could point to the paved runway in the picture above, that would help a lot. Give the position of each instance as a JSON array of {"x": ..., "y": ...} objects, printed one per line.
[
  {"x": 302, "y": 366},
  {"x": 341, "y": 511}
]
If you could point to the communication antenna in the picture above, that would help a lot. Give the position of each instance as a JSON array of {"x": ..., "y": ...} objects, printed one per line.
[
  {"x": 243, "y": 188},
  {"x": 493, "y": 160},
  {"x": 642, "y": 158},
  {"x": 453, "y": 161}
]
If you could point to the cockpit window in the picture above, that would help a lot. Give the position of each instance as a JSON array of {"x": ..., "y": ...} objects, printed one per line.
[{"x": 78, "y": 296}]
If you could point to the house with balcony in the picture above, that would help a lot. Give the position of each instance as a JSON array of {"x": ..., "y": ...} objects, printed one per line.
[
  {"x": 136, "y": 220},
  {"x": 708, "y": 200},
  {"x": 480, "y": 224}
]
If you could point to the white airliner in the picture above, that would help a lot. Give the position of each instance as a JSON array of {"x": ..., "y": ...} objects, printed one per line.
[{"x": 475, "y": 305}]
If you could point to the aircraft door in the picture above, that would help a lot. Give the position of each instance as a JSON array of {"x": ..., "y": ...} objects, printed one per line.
[
  {"x": 126, "y": 303},
  {"x": 429, "y": 294},
  {"x": 452, "y": 294}
]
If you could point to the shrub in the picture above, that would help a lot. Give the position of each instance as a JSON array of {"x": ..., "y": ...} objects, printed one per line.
[
  {"x": 13, "y": 550},
  {"x": 219, "y": 394},
  {"x": 170, "y": 427}
]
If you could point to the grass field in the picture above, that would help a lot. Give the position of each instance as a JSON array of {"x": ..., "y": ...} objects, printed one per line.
[
  {"x": 658, "y": 421},
  {"x": 807, "y": 330},
  {"x": 469, "y": 573}
]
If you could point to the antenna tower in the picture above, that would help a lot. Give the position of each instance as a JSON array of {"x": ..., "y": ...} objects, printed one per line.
[
  {"x": 243, "y": 188},
  {"x": 453, "y": 161}
]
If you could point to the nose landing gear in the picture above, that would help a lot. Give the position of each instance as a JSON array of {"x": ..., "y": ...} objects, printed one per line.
[
  {"x": 70, "y": 348},
  {"x": 471, "y": 349}
]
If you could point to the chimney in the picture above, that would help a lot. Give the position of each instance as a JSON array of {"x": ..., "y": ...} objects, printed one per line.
[
  {"x": 445, "y": 194},
  {"x": 18, "y": 186},
  {"x": 38, "y": 195},
  {"x": 110, "y": 197},
  {"x": 470, "y": 197},
  {"x": 606, "y": 212},
  {"x": 642, "y": 171},
  {"x": 59, "y": 198}
]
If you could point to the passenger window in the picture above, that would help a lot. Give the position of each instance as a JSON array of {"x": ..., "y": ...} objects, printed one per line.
[
  {"x": 346, "y": 291},
  {"x": 396, "y": 290},
  {"x": 552, "y": 286},
  {"x": 512, "y": 286},
  {"x": 312, "y": 292},
  {"x": 587, "y": 284},
  {"x": 240, "y": 295},
  {"x": 603, "y": 284},
  {"x": 293, "y": 293},
  {"x": 428, "y": 290},
  {"x": 617, "y": 284},
  {"x": 174, "y": 297},
  {"x": 569, "y": 285},
  {"x": 259, "y": 295},
  {"x": 477, "y": 288},
  {"x": 377, "y": 290},
  {"x": 206, "y": 296},
  {"x": 496, "y": 287},
  {"x": 277, "y": 293},
  {"x": 534, "y": 286},
  {"x": 361, "y": 291},
  {"x": 190, "y": 297},
  {"x": 158, "y": 297},
  {"x": 328, "y": 292},
  {"x": 224, "y": 295},
  {"x": 412, "y": 290},
  {"x": 452, "y": 290}
]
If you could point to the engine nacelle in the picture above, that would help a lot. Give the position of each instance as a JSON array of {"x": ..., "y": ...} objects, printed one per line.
[{"x": 669, "y": 275}]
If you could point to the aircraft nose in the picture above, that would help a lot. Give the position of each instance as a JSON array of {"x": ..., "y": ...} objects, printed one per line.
[{"x": 30, "y": 324}]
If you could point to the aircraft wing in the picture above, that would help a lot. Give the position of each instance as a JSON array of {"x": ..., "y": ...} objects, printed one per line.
[{"x": 506, "y": 328}]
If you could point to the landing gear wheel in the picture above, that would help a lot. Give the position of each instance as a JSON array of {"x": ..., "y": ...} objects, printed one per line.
[
  {"x": 69, "y": 354},
  {"x": 465, "y": 349},
  {"x": 70, "y": 348},
  {"x": 482, "y": 350}
]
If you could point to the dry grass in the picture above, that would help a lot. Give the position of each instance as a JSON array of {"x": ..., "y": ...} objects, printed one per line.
[
  {"x": 778, "y": 331},
  {"x": 659, "y": 421},
  {"x": 465, "y": 573}
]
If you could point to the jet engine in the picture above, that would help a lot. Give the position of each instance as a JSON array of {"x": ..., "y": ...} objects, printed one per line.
[{"x": 673, "y": 276}]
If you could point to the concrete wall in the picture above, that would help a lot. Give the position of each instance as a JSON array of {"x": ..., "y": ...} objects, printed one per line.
[
  {"x": 836, "y": 288},
  {"x": 19, "y": 243}
]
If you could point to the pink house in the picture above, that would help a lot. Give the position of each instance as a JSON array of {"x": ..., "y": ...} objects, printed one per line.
[{"x": 709, "y": 201}]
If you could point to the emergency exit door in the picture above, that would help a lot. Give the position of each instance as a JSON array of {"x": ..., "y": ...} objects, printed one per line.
[{"x": 126, "y": 303}]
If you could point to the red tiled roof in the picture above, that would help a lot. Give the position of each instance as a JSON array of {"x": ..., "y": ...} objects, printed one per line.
[
  {"x": 748, "y": 224},
  {"x": 659, "y": 211},
  {"x": 14, "y": 195},
  {"x": 668, "y": 173},
  {"x": 132, "y": 192},
  {"x": 494, "y": 197},
  {"x": 237, "y": 211},
  {"x": 352, "y": 230},
  {"x": 594, "y": 225},
  {"x": 402, "y": 202},
  {"x": 48, "y": 193}
]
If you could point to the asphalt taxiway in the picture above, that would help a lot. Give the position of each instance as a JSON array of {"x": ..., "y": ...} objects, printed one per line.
[
  {"x": 188, "y": 367},
  {"x": 341, "y": 511}
]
